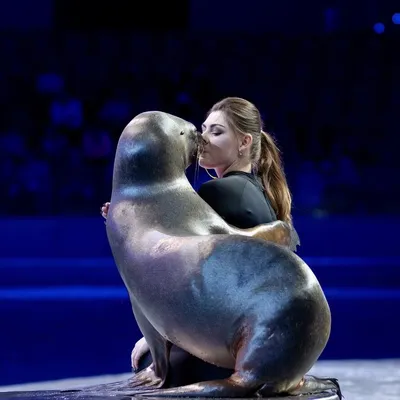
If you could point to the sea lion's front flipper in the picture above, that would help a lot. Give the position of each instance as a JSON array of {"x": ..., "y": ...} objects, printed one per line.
[
  {"x": 156, "y": 374},
  {"x": 278, "y": 232}
]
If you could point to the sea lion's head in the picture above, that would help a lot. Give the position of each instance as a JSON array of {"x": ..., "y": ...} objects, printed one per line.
[{"x": 155, "y": 147}]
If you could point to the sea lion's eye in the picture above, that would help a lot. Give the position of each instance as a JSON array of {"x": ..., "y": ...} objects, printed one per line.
[{"x": 182, "y": 132}]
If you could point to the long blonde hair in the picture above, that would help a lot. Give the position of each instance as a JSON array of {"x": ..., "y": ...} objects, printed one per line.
[{"x": 243, "y": 118}]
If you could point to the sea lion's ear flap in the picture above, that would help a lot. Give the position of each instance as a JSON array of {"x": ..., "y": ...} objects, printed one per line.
[{"x": 182, "y": 132}]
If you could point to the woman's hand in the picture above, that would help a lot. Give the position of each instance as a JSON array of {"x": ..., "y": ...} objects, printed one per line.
[
  {"x": 140, "y": 349},
  {"x": 104, "y": 209}
]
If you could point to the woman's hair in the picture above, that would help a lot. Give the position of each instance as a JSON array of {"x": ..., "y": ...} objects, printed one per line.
[{"x": 243, "y": 118}]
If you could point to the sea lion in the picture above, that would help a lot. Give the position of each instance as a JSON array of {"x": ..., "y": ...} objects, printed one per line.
[{"x": 222, "y": 294}]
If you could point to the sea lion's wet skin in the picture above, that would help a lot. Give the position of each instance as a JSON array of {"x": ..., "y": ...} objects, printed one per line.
[{"x": 225, "y": 295}]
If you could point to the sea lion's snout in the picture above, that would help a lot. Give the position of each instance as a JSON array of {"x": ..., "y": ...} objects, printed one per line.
[
  {"x": 201, "y": 142},
  {"x": 197, "y": 145}
]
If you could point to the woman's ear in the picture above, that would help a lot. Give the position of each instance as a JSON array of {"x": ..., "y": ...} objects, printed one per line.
[{"x": 246, "y": 142}]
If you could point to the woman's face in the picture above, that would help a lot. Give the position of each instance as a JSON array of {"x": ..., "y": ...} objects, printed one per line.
[{"x": 222, "y": 147}]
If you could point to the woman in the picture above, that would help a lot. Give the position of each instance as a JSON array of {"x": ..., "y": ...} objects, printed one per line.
[{"x": 250, "y": 189}]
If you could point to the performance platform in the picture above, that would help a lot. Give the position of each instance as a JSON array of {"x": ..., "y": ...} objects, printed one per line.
[{"x": 359, "y": 380}]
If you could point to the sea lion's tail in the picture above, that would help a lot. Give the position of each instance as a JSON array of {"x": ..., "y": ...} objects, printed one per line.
[{"x": 311, "y": 384}]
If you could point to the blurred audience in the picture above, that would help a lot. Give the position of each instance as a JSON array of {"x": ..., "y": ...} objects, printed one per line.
[{"x": 330, "y": 102}]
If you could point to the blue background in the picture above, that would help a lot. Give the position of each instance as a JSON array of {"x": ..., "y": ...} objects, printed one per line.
[{"x": 326, "y": 79}]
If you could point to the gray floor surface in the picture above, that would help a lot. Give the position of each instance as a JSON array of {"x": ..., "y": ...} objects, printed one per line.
[{"x": 359, "y": 380}]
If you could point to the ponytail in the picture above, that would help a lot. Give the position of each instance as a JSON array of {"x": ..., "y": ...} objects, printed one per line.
[{"x": 271, "y": 172}]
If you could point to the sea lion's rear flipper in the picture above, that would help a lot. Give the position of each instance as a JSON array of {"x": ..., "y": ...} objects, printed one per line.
[
  {"x": 229, "y": 387},
  {"x": 311, "y": 388},
  {"x": 311, "y": 384}
]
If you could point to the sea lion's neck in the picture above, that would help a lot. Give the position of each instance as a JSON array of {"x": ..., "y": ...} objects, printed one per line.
[
  {"x": 144, "y": 190},
  {"x": 174, "y": 209},
  {"x": 143, "y": 165},
  {"x": 144, "y": 182}
]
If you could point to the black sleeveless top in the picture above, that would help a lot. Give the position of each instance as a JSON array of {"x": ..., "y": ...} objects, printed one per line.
[{"x": 239, "y": 198}]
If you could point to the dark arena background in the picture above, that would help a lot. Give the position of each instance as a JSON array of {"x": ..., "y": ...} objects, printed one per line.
[{"x": 326, "y": 77}]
